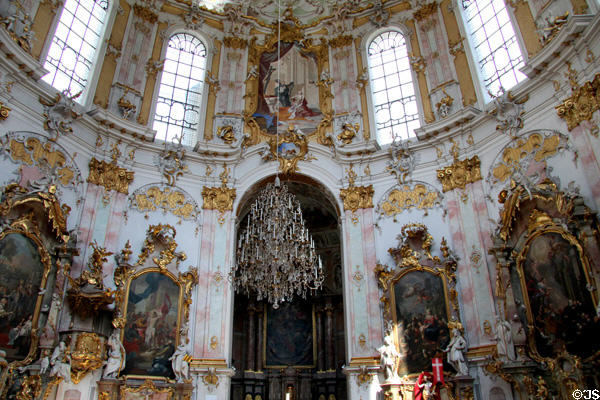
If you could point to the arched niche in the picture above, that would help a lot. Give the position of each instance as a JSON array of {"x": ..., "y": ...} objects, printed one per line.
[
  {"x": 314, "y": 326},
  {"x": 420, "y": 301},
  {"x": 547, "y": 250}
]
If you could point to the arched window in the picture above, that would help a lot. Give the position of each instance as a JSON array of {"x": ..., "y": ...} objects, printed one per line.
[
  {"x": 394, "y": 99},
  {"x": 494, "y": 44},
  {"x": 181, "y": 88},
  {"x": 73, "y": 48}
]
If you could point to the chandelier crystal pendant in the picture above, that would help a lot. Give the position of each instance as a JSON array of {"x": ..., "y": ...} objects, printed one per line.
[{"x": 276, "y": 256}]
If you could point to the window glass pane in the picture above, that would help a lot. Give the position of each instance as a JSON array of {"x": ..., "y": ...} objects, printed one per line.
[
  {"x": 181, "y": 88},
  {"x": 396, "y": 113},
  {"x": 495, "y": 44},
  {"x": 74, "y": 45}
]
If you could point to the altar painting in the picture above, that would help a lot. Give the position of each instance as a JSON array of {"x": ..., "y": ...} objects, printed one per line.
[
  {"x": 421, "y": 320},
  {"x": 292, "y": 79},
  {"x": 289, "y": 333},
  {"x": 150, "y": 332},
  {"x": 21, "y": 274},
  {"x": 562, "y": 308}
]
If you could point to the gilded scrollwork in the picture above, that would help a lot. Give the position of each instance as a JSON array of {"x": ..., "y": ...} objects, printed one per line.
[
  {"x": 460, "y": 173},
  {"x": 356, "y": 197},
  {"x": 414, "y": 255},
  {"x": 88, "y": 355},
  {"x": 4, "y": 111},
  {"x": 291, "y": 147},
  {"x": 516, "y": 158},
  {"x": 110, "y": 176},
  {"x": 408, "y": 196},
  {"x": 532, "y": 217},
  {"x": 32, "y": 151},
  {"x": 88, "y": 294},
  {"x": 581, "y": 105},
  {"x": 169, "y": 199},
  {"x": 219, "y": 198},
  {"x": 148, "y": 388}
]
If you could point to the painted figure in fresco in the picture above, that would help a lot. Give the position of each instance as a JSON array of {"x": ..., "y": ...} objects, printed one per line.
[
  {"x": 61, "y": 362},
  {"x": 116, "y": 357},
  {"x": 505, "y": 345},
  {"x": 389, "y": 357},
  {"x": 456, "y": 349},
  {"x": 283, "y": 92},
  {"x": 181, "y": 367}
]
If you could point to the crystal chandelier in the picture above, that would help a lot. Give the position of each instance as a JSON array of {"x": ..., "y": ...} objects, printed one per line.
[{"x": 276, "y": 255}]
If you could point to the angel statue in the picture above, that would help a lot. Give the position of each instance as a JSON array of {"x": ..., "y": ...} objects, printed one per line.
[
  {"x": 180, "y": 362},
  {"x": 116, "y": 357},
  {"x": 61, "y": 362},
  {"x": 389, "y": 357}
]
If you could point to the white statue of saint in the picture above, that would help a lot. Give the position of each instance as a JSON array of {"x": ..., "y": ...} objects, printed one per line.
[
  {"x": 389, "y": 357},
  {"x": 61, "y": 362},
  {"x": 181, "y": 366},
  {"x": 455, "y": 350},
  {"x": 116, "y": 357},
  {"x": 505, "y": 345}
]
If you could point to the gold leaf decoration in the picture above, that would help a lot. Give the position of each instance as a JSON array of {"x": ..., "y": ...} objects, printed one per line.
[
  {"x": 168, "y": 199},
  {"x": 110, "y": 176},
  {"x": 405, "y": 197},
  {"x": 536, "y": 145},
  {"x": 459, "y": 174},
  {"x": 582, "y": 104}
]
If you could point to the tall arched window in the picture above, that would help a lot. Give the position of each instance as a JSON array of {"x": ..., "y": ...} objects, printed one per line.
[
  {"x": 494, "y": 44},
  {"x": 181, "y": 88},
  {"x": 394, "y": 99},
  {"x": 72, "y": 52}
]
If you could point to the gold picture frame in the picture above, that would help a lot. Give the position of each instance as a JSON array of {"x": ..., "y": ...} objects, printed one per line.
[
  {"x": 289, "y": 31},
  {"x": 413, "y": 255},
  {"x": 157, "y": 256}
]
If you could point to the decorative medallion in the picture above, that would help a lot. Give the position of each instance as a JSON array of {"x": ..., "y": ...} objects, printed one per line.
[{"x": 291, "y": 147}]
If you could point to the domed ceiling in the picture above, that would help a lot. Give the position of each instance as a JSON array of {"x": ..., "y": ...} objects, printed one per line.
[{"x": 306, "y": 11}]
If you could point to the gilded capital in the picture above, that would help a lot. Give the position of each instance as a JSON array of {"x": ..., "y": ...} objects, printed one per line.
[
  {"x": 218, "y": 198},
  {"x": 110, "y": 176},
  {"x": 356, "y": 197},
  {"x": 582, "y": 104},
  {"x": 459, "y": 174}
]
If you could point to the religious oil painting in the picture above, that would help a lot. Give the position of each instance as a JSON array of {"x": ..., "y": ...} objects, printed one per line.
[
  {"x": 150, "y": 332},
  {"x": 21, "y": 273},
  {"x": 287, "y": 90},
  {"x": 289, "y": 333},
  {"x": 421, "y": 317},
  {"x": 561, "y": 306}
]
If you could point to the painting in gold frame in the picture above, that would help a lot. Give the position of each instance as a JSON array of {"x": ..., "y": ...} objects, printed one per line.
[
  {"x": 552, "y": 272},
  {"x": 151, "y": 331},
  {"x": 24, "y": 268},
  {"x": 420, "y": 313},
  {"x": 307, "y": 103},
  {"x": 290, "y": 335}
]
